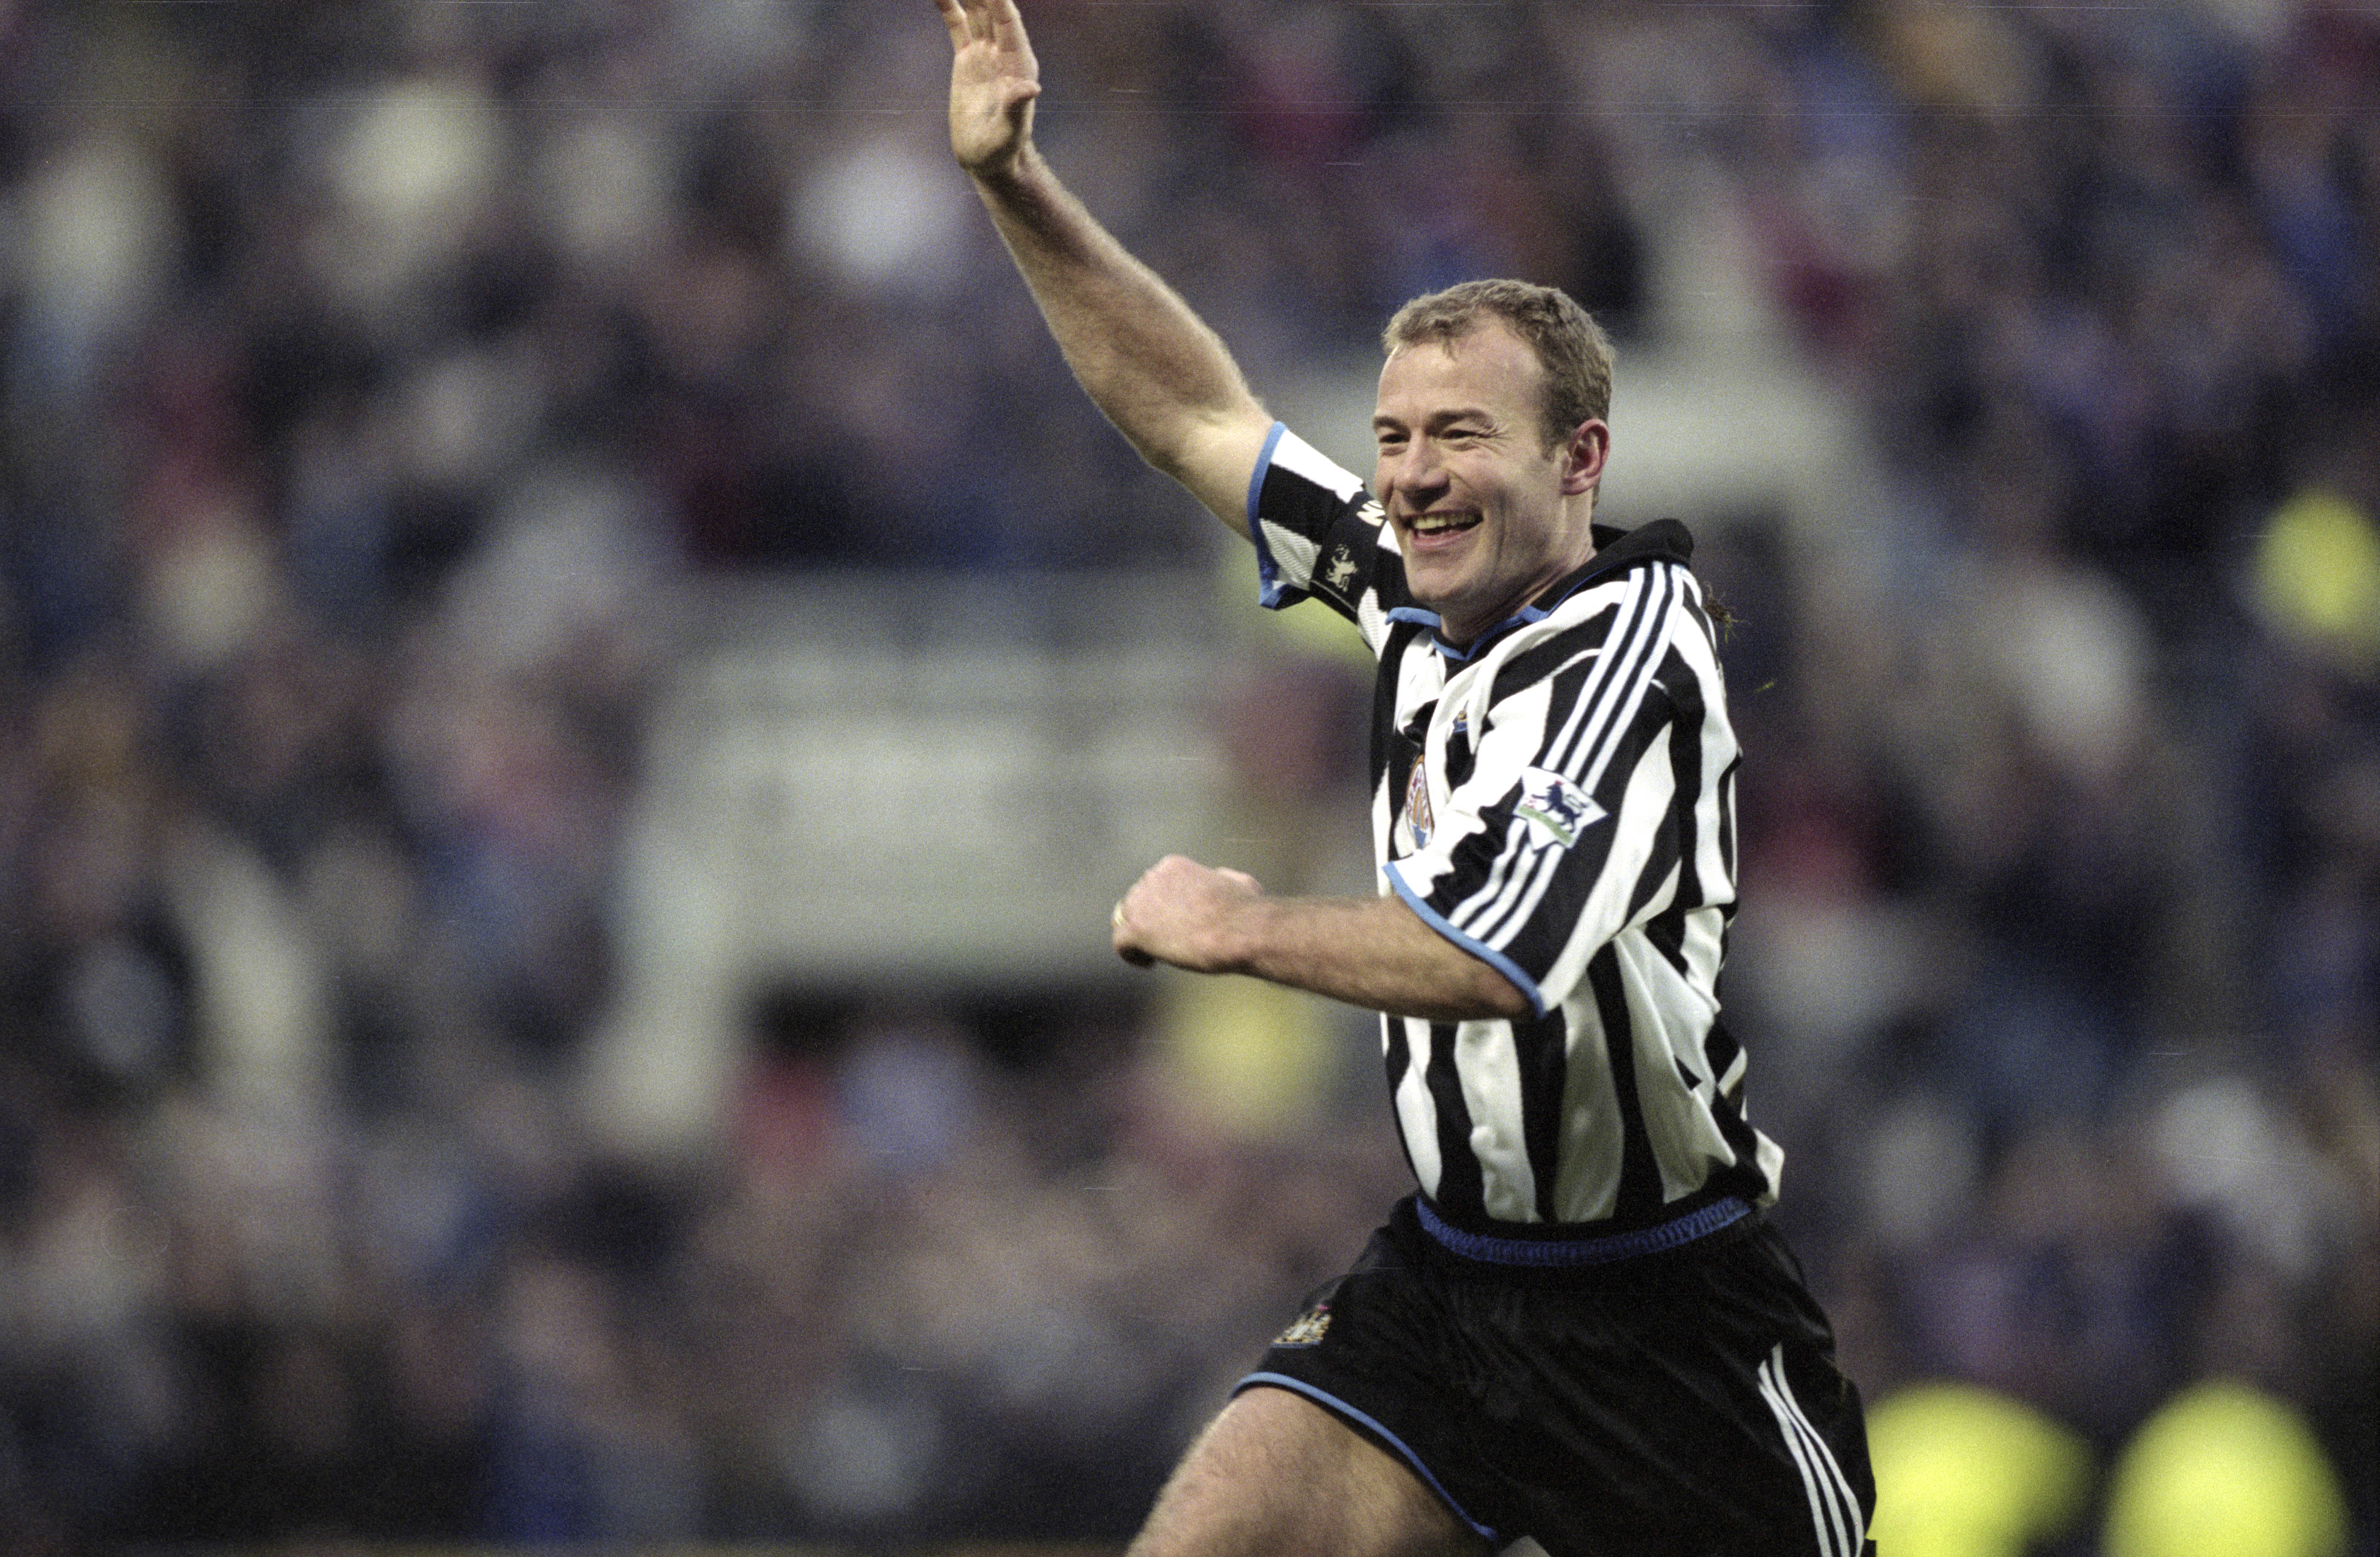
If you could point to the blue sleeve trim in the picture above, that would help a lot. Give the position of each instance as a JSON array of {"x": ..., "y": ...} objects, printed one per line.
[
  {"x": 1269, "y": 593},
  {"x": 1486, "y": 954},
  {"x": 1338, "y": 1407}
]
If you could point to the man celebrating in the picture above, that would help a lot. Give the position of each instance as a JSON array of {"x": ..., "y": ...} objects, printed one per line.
[{"x": 1581, "y": 1330}]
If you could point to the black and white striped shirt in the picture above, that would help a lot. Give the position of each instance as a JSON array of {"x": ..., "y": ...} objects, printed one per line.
[{"x": 1558, "y": 799}]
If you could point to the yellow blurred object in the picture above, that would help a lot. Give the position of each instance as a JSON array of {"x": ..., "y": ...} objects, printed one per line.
[
  {"x": 2224, "y": 1470},
  {"x": 1250, "y": 1059},
  {"x": 1303, "y": 629},
  {"x": 2318, "y": 576},
  {"x": 1965, "y": 1472}
]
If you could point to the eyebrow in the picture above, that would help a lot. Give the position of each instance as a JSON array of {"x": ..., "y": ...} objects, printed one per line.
[{"x": 1436, "y": 419}]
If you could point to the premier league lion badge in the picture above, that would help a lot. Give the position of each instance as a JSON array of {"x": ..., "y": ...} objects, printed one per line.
[{"x": 1554, "y": 809}]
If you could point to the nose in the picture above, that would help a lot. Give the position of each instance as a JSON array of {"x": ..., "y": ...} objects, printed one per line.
[{"x": 1417, "y": 468}]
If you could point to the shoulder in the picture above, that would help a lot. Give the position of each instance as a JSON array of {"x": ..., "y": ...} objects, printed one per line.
[
  {"x": 1639, "y": 583},
  {"x": 1613, "y": 624}
]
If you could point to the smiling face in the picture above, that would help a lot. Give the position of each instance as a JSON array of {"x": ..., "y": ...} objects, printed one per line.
[{"x": 1485, "y": 512}]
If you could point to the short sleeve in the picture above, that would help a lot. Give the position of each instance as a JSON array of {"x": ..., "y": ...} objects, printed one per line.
[{"x": 1320, "y": 535}]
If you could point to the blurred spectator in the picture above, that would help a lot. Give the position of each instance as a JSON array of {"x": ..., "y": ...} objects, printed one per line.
[{"x": 379, "y": 383}]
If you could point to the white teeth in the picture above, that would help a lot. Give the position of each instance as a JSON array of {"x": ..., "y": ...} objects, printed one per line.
[{"x": 1433, "y": 524}]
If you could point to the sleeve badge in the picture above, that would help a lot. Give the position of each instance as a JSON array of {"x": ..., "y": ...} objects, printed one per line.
[{"x": 1554, "y": 809}]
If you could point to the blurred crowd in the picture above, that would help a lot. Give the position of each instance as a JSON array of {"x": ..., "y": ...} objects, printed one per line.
[{"x": 380, "y": 381}]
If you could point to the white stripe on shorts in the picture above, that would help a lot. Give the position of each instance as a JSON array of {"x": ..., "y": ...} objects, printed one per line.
[{"x": 1834, "y": 1509}]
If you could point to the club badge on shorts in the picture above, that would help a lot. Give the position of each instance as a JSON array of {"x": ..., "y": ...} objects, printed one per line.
[{"x": 1307, "y": 1329}]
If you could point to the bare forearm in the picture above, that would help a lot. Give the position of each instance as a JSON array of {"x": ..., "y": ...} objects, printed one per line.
[
  {"x": 1145, "y": 360},
  {"x": 1373, "y": 952},
  {"x": 1150, "y": 363}
]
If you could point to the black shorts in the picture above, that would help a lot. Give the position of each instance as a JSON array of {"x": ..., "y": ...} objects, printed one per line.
[{"x": 1678, "y": 1404}]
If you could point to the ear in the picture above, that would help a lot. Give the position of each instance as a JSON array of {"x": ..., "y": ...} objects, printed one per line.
[{"x": 1584, "y": 453}]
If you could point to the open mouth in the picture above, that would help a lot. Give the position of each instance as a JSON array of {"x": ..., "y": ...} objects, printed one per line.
[{"x": 1428, "y": 525}]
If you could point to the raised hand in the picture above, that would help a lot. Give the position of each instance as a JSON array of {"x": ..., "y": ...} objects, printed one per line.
[{"x": 993, "y": 82}]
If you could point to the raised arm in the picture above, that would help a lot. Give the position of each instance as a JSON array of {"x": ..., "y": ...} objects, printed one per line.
[{"x": 1147, "y": 362}]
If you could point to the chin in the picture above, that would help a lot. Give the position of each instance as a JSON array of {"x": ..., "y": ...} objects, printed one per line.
[{"x": 1440, "y": 595}]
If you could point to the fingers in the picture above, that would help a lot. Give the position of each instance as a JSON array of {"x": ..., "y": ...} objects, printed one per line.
[
  {"x": 973, "y": 21},
  {"x": 1173, "y": 912},
  {"x": 1120, "y": 937},
  {"x": 994, "y": 81},
  {"x": 1123, "y": 933},
  {"x": 967, "y": 21}
]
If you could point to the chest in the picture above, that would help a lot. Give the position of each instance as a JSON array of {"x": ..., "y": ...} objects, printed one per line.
[{"x": 1429, "y": 718}]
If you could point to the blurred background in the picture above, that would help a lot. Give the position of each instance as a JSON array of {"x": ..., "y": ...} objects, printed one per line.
[{"x": 577, "y": 682}]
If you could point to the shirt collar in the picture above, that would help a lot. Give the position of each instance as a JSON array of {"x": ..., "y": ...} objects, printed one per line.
[{"x": 1615, "y": 551}]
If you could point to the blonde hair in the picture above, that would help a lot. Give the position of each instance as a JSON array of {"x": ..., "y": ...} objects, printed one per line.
[{"x": 1569, "y": 344}]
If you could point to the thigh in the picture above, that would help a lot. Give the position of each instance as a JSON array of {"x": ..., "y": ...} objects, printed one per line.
[
  {"x": 1693, "y": 1409},
  {"x": 1277, "y": 1474}
]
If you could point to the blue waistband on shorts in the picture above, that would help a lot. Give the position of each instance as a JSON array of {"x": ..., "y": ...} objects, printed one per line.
[{"x": 1550, "y": 1252}]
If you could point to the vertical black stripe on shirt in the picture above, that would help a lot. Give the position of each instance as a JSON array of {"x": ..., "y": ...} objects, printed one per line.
[
  {"x": 1683, "y": 840},
  {"x": 1661, "y": 851},
  {"x": 1692, "y": 598},
  {"x": 1660, "y": 858},
  {"x": 1385, "y": 687},
  {"x": 1461, "y": 1192},
  {"x": 1719, "y": 1053},
  {"x": 1683, "y": 691},
  {"x": 1727, "y": 816},
  {"x": 1634, "y": 638},
  {"x": 1396, "y": 1053},
  {"x": 1666, "y": 932},
  {"x": 1639, "y": 1196},
  {"x": 1542, "y": 1056},
  {"x": 1604, "y": 747},
  {"x": 1719, "y": 1047}
]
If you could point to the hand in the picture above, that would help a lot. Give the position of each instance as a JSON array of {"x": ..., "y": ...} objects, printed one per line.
[
  {"x": 1178, "y": 912},
  {"x": 993, "y": 82}
]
